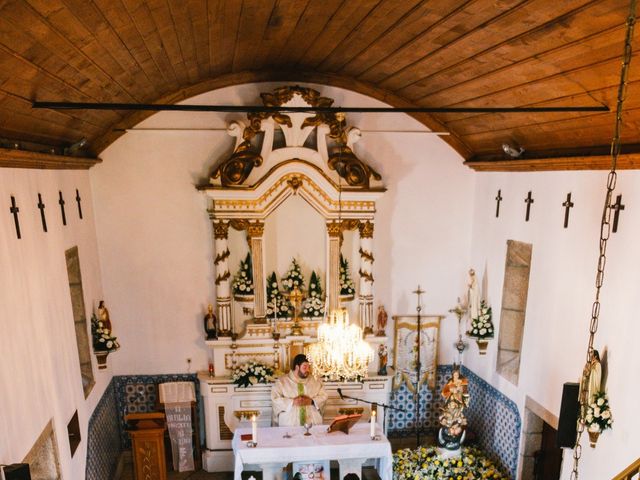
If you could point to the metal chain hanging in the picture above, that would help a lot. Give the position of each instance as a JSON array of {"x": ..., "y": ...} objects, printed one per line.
[{"x": 605, "y": 230}]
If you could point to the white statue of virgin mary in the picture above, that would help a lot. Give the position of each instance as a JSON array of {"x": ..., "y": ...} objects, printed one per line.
[{"x": 474, "y": 296}]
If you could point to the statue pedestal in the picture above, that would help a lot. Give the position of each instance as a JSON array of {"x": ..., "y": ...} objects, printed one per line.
[{"x": 445, "y": 454}]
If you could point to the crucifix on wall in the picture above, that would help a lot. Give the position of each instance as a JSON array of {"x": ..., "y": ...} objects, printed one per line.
[
  {"x": 15, "y": 210},
  {"x": 529, "y": 200},
  {"x": 43, "y": 218},
  {"x": 567, "y": 205},
  {"x": 618, "y": 206},
  {"x": 78, "y": 199},
  {"x": 61, "y": 202},
  {"x": 498, "y": 200}
]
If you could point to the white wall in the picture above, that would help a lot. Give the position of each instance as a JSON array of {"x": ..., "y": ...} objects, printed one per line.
[
  {"x": 39, "y": 369},
  {"x": 561, "y": 292},
  {"x": 156, "y": 238}
]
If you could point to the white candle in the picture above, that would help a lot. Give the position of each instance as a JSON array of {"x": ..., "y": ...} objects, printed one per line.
[
  {"x": 254, "y": 429},
  {"x": 373, "y": 422}
]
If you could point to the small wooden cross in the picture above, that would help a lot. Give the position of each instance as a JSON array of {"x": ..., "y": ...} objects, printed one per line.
[
  {"x": 43, "y": 218},
  {"x": 567, "y": 205},
  {"x": 15, "y": 210},
  {"x": 617, "y": 207},
  {"x": 529, "y": 200},
  {"x": 61, "y": 202},
  {"x": 78, "y": 199},
  {"x": 498, "y": 200}
]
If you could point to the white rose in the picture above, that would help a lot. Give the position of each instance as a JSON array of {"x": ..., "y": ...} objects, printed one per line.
[
  {"x": 606, "y": 414},
  {"x": 253, "y": 380},
  {"x": 109, "y": 344},
  {"x": 600, "y": 401},
  {"x": 594, "y": 427},
  {"x": 596, "y": 412},
  {"x": 589, "y": 418},
  {"x": 101, "y": 340},
  {"x": 483, "y": 331}
]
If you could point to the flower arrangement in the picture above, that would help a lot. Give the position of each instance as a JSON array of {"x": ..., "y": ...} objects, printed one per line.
[
  {"x": 277, "y": 305},
  {"x": 347, "y": 287},
  {"x": 425, "y": 463},
  {"x": 243, "y": 280},
  {"x": 313, "y": 304},
  {"x": 103, "y": 341},
  {"x": 482, "y": 326},
  {"x": 252, "y": 373},
  {"x": 598, "y": 417},
  {"x": 293, "y": 278}
]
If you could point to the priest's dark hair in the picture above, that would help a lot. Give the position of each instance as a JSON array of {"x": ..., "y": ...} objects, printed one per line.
[{"x": 299, "y": 360}]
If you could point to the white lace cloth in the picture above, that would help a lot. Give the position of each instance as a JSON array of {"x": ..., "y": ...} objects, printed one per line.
[
  {"x": 274, "y": 449},
  {"x": 177, "y": 392}
]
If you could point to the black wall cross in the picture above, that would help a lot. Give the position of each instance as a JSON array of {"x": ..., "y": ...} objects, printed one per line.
[
  {"x": 78, "y": 199},
  {"x": 617, "y": 207},
  {"x": 498, "y": 200},
  {"x": 567, "y": 205},
  {"x": 15, "y": 210},
  {"x": 61, "y": 202},
  {"x": 529, "y": 200},
  {"x": 43, "y": 218}
]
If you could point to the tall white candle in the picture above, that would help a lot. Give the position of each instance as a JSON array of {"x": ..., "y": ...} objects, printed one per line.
[
  {"x": 254, "y": 429},
  {"x": 373, "y": 422}
]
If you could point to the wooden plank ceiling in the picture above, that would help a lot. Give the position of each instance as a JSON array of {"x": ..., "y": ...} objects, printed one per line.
[{"x": 428, "y": 53}]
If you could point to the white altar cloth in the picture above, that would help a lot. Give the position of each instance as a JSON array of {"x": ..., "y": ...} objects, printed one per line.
[{"x": 274, "y": 452}]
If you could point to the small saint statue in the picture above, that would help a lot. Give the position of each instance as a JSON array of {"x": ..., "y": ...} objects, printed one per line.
[
  {"x": 103, "y": 316},
  {"x": 452, "y": 419},
  {"x": 211, "y": 324},
  {"x": 382, "y": 321},
  {"x": 383, "y": 355}
]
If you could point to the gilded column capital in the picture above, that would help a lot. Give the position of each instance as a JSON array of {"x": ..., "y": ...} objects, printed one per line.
[
  {"x": 366, "y": 229},
  {"x": 334, "y": 229},
  {"x": 255, "y": 229},
  {"x": 220, "y": 229}
]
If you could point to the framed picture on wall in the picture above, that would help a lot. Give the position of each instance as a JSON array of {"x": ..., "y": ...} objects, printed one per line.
[
  {"x": 311, "y": 470},
  {"x": 406, "y": 347}
]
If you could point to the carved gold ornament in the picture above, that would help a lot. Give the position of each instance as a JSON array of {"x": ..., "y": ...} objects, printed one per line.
[
  {"x": 220, "y": 230},
  {"x": 350, "y": 167},
  {"x": 221, "y": 278},
  {"x": 366, "y": 255},
  {"x": 222, "y": 256},
  {"x": 366, "y": 229},
  {"x": 366, "y": 275}
]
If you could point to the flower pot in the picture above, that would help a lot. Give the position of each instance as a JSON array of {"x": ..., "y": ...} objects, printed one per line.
[
  {"x": 243, "y": 298},
  {"x": 101, "y": 357},
  {"x": 482, "y": 346},
  {"x": 593, "y": 438},
  {"x": 346, "y": 298}
]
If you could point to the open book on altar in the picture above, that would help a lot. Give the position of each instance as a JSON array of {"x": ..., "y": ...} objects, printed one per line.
[{"x": 343, "y": 423}]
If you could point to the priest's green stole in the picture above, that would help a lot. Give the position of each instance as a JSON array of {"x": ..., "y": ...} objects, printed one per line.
[{"x": 303, "y": 409}]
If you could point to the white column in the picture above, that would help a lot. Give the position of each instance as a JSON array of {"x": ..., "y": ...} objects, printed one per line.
[
  {"x": 334, "y": 229},
  {"x": 365, "y": 292},
  {"x": 255, "y": 232},
  {"x": 223, "y": 283}
]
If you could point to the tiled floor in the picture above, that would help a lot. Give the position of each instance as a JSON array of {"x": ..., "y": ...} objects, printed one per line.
[{"x": 368, "y": 473}]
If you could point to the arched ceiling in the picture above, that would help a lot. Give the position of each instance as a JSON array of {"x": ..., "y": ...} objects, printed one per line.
[{"x": 476, "y": 53}]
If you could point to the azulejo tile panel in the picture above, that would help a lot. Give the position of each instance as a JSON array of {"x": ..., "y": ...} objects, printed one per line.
[
  {"x": 103, "y": 438},
  {"x": 492, "y": 416}
]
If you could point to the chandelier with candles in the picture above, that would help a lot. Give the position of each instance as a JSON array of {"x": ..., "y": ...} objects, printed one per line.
[{"x": 341, "y": 353}]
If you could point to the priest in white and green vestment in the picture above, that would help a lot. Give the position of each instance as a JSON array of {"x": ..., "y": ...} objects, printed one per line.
[{"x": 297, "y": 397}]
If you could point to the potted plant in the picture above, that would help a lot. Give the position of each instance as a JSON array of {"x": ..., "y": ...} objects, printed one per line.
[
  {"x": 103, "y": 342},
  {"x": 482, "y": 327},
  {"x": 243, "y": 281},
  {"x": 347, "y": 287},
  {"x": 313, "y": 305},
  {"x": 293, "y": 278},
  {"x": 277, "y": 305},
  {"x": 598, "y": 417}
]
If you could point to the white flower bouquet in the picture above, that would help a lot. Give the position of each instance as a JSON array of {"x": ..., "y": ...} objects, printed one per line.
[
  {"x": 482, "y": 326},
  {"x": 347, "y": 287},
  {"x": 277, "y": 305},
  {"x": 252, "y": 373},
  {"x": 293, "y": 278},
  {"x": 313, "y": 305},
  {"x": 598, "y": 417},
  {"x": 243, "y": 280},
  {"x": 103, "y": 341}
]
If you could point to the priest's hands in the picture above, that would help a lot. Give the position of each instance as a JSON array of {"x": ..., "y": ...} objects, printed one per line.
[{"x": 302, "y": 401}]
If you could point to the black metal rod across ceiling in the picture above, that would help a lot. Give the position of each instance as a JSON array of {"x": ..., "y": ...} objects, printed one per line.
[{"x": 259, "y": 108}]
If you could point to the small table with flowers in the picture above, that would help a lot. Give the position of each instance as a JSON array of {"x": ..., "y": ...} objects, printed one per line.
[{"x": 279, "y": 446}]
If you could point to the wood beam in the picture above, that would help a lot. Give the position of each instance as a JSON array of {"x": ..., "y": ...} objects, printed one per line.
[
  {"x": 628, "y": 161},
  {"x": 24, "y": 159}
]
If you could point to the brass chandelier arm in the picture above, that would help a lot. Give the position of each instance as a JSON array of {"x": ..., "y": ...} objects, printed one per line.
[
  {"x": 605, "y": 230},
  {"x": 279, "y": 109}
]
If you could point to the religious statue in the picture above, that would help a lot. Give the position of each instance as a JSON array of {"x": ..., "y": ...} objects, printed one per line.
[
  {"x": 211, "y": 324},
  {"x": 593, "y": 373},
  {"x": 383, "y": 355},
  {"x": 452, "y": 419},
  {"x": 382, "y": 321},
  {"x": 474, "y": 296},
  {"x": 103, "y": 316}
]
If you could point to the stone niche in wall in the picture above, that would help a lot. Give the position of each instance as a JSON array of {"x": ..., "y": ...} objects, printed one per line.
[{"x": 43, "y": 458}]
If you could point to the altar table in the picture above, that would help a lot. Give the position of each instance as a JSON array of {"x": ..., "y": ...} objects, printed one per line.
[{"x": 274, "y": 452}]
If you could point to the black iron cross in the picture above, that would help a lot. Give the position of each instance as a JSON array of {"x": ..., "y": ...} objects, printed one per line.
[
  {"x": 617, "y": 207},
  {"x": 42, "y": 216},
  {"x": 528, "y": 201},
  {"x": 61, "y": 202},
  {"x": 14, "y": 210},
  {"x": 498, "y": 200},
  {"x": 79, "y": 204},
  {"x": 567, "y": 205}
]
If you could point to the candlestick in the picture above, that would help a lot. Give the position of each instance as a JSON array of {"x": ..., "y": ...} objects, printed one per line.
[
  {"x": 373, "y": 423},
  {"x": 254, "y": 429}
]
